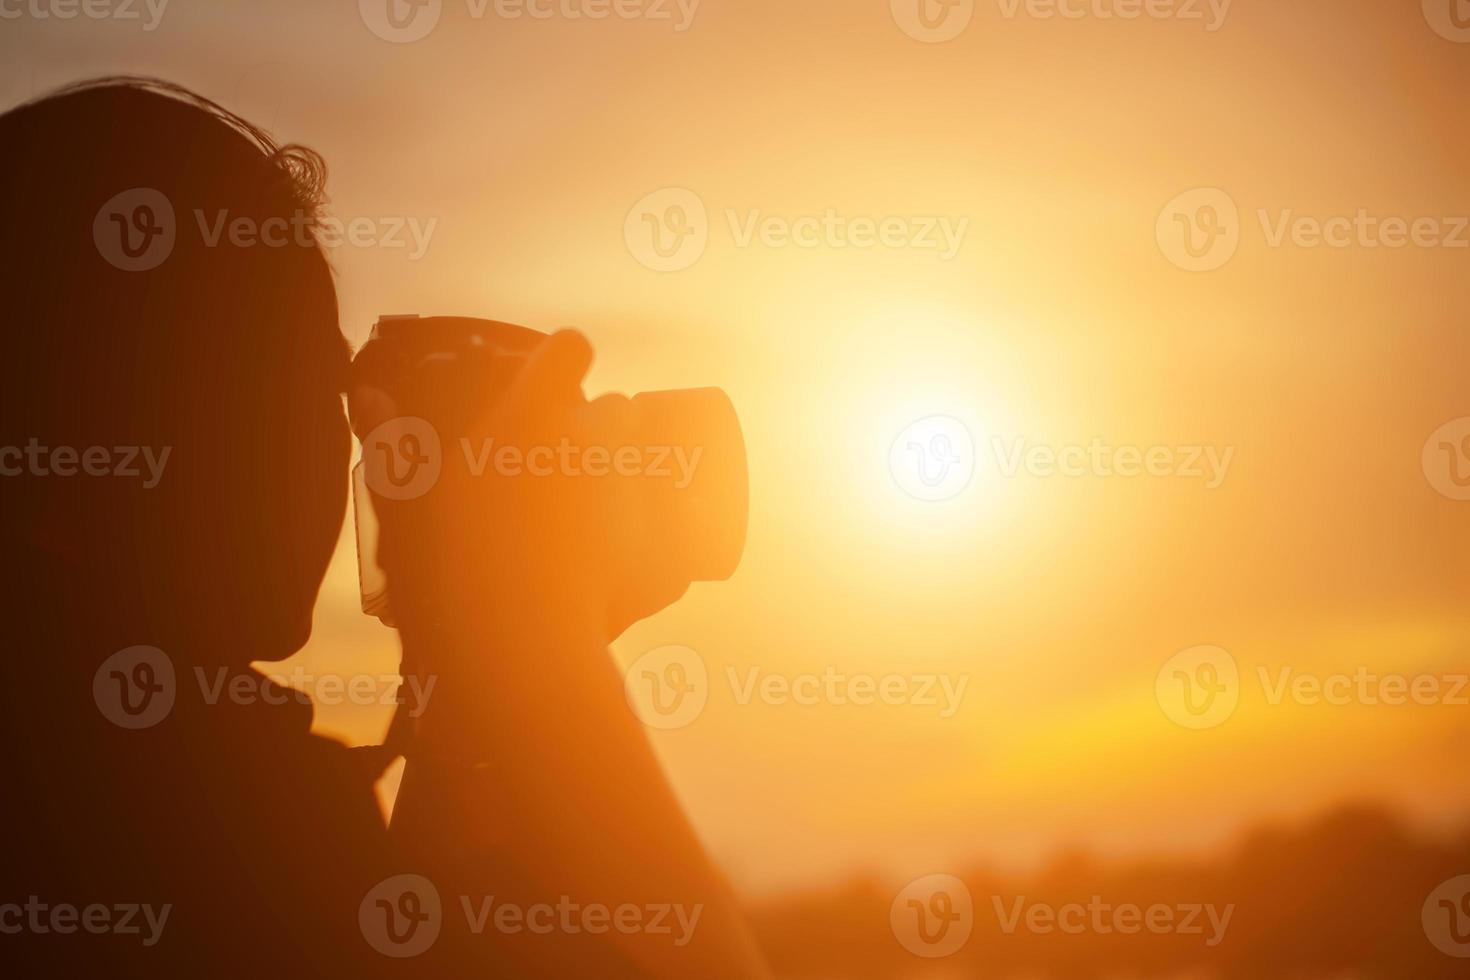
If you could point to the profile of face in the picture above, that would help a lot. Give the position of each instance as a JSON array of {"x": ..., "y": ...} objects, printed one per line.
[{"x": 210, "y": 365}]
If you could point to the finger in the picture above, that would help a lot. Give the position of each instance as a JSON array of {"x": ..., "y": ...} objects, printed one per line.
[
  {"x": 369, "y": 407},
  {"x": 556, "y": 368}
]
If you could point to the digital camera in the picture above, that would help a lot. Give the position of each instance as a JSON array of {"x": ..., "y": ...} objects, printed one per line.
[{"x": 688, "y": 521}]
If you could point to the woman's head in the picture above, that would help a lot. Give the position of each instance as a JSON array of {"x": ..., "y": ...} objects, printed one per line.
[{"x": 164, "y": 301}]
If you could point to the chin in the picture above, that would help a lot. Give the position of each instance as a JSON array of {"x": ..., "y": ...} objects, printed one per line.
[{"x": 277, "y": 638}]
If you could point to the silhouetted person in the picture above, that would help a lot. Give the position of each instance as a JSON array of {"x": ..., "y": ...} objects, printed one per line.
[{"x": 528, "y": 777}]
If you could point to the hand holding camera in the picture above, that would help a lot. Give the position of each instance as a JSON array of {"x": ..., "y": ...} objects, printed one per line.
[{"x": 504, "y": 495}]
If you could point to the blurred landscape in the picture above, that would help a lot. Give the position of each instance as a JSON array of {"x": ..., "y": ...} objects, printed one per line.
[{"x": 1338, "y": 897}]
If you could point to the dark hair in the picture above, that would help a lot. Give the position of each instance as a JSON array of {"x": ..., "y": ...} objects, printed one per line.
[
  {"x": 302, "y": 169},
  {"x": 229, "y": 354}
]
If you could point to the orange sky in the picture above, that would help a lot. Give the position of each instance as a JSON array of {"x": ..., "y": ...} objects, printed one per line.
[{"x": 1058, "y": 321}]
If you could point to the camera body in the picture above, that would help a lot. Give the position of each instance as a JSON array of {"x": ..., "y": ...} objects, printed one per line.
[{"x": 680, "y": 514}]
